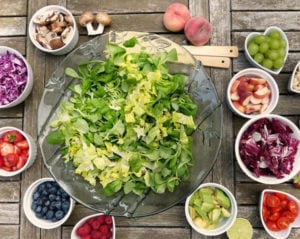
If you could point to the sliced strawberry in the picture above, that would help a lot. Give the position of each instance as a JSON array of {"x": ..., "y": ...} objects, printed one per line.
[
  {"x": 6, "y": 148},
  {"x": 11, "y": 159},
  {"x": 13, "y": 136},
  {"x": 1, "y": 162},
  {"x": 23, "y": 144},
  {"x": 22, "y": 161}
]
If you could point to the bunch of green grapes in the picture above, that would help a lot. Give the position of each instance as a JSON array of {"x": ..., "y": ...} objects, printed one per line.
[{"x": 268, "y": 50}]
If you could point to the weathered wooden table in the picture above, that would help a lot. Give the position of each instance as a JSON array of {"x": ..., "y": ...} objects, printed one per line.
[{"x": 232, "y": 21}]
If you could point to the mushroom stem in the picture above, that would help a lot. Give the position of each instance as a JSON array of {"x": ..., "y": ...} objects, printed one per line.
[
  {"x": 99, "y": 29},
  {"x": 90, "y": 29}
]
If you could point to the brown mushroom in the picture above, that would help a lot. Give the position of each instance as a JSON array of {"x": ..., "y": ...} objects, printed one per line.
[
  {"x": 56, "y": 43},
  {"x": 86, "y": 20},
  {"x": 103, "y": 19}
]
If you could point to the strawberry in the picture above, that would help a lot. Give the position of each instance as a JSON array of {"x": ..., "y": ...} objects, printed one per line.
[
  {"x": 6, "y": 148},
  {"x": 296, "y": 181},
  {"x": 11, "y": 159},
  {"x": 22, "y": 144},
  {"x": 1, "y": 162},
  {"x": 13, "y": 136},
  {"x": 22, "y": 161}
]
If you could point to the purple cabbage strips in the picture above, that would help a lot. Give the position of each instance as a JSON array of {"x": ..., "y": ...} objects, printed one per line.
[
  {"x": 267, "y": 148},
  {"x": 13, "y": 77}
]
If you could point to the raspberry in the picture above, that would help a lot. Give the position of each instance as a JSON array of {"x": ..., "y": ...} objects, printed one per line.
[
  {"x": 95, "y": 224},
  {"x": 82, "y": 231},
  {"x": 91, "y": 220},
  {"x": 96, "y": 234},
  {"x": 101, "y": 219},
  {"x": 108, "y": 219},
  {"x": 104, "y": 229},
  {"x": 86, "y": 237}
]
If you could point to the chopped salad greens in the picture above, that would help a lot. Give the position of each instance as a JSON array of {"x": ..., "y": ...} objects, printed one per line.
[{"x": 128, "y": 122}]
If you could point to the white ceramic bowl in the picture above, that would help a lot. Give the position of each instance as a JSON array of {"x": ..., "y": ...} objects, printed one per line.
[
  {"x": 85, "y": 219},
  {"x": 29, "y": 84},
  {"x": 268, "y": 179},
  {"x": 296, "y": 73},
  {"x": 32, "y": 152},
  {"x": 38, "y": 222},
  {"x": 272, "y": 85},
  {"x": 266, "y": 32},
  {"x": 72, "y": 39},
  {"x": 225, "y": 223},
  {"x": 282, "y": 234}
]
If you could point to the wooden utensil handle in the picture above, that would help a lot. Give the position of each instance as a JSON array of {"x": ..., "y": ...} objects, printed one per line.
[
  {"x": 214, "y": 61},
  {"x": 228, "y": 51}
]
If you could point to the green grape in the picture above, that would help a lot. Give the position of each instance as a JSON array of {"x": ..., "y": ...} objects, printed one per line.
[
  {"x": 278, "y": 63},
  {"x": 264, "y": 47},
  {"x": 282, "y": 43},
  {"x": 281, "y": 52},
  {"x": 252, "y": 48},
  {"x": 274, "y": 44},
  {"x": 275, "y": 34},
  {"x": 259, "y": 57},
  {"x": 267, "y": 63},
  {"x": 272, "y": 54},
  {"x": 259, "y": 39}
]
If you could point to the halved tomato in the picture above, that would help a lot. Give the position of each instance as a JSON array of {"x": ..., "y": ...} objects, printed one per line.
[
  {"x": 273, "y": 201},
  {"x": 283, "y": 223},
  {"x": 272, "y": 226},
  {"x": 293, "y": 207}
]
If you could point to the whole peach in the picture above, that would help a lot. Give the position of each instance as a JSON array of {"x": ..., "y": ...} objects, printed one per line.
[
  {"x": 176, "y": 16},
  {"x": 198, "y": 31}
]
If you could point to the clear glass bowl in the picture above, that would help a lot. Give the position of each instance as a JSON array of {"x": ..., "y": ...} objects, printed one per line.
[{"x": 207, "y": 137}]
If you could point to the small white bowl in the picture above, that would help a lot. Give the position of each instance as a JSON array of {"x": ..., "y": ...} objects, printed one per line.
[
  {"x": 282, "y": 234},
  {"x": 225, "y": 223},
  {"x": 32, "y": 152},
  {"x": 29, "y": 84},
  {"x": 268, "y": 179},
  {"x": 71, "y": 40},
  {"x": 83, "y": 220},
  {"x": 256, "y": 73},
  {"x": 38, "y": 222},
  {"x": 296, "y": 73},
  {"x": 266, "y": 32}
]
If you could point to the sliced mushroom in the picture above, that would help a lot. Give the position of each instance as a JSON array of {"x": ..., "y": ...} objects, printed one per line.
[
  {"x": 58, "y": 26},
  {"x": 69, "y": 20},
  {"x": 42, "y": 40},
  {"x": 42, "y": 30},
  {"x": 66, "y": 35},
  {"x": 56, "y": 43}
]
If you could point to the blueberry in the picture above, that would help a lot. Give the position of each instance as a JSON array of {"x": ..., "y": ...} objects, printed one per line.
[
  {"x": 48, "y": 185},
  {"x": 45, "y": 192},
  {"x": 41, "y": 187},
  {"x": 58, "y": 198},
  {"x": 52, "y": 206},
  {"x": 58, "y": 205},
  {"x": 49, "y": 214},
  {"x": 59, "y": 214},
  {"x": 39, "y": 215},
  {"x": 35, "y": 196},
  {"x": 47, "y": 203},
  {"x": 53, "y": 190},
  {"x": 44, "y": 210},
  {"x": 52, "y": 197},
  {"x": 65, "y": 206},
  {"x": 33, "y": 206},
  {"x": 38, "y": 209},
  {"x": 39, "y": 201},
  {"x": 65, "y": 195}
]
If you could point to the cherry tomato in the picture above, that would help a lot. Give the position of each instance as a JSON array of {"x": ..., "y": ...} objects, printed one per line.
[
  {"x": 274, "y": 216},
  {"x": 284, "y": 204},
  {"x": 276, "y": 209},
  {"x": 293, "y": 207},
  {"x": 273, "y": 201},
  {"x": 280, "y": 195},
  {"x": 283, "y": 223},
  {"x": 265, "y": 213},
  {"x": 289, "y": 215},
  {"x": 272, "y": 226}
]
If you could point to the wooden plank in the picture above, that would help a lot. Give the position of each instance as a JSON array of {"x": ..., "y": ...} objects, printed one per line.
[
  {"x": 18, "y": 43},
  {"x": 10, "y": 191},
  {"x": 241, "y": 62},
  {"x": 12, "y": 26},
  {"x": 9, "y": 231},
  {"x": 245, "y": 20},
  {"x": 19, "y": 7},
  {"x": 116, "y": 6},
  {"x": 11, "y": 122},
  {"x": 238, "y": 5},
  {"x": 9, "y": 213}
]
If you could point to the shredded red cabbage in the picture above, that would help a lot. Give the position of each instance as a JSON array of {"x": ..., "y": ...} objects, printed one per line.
[
  {"x": 13, "y": 77},
  {"x": 267, "y": 148}
]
